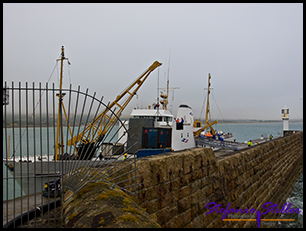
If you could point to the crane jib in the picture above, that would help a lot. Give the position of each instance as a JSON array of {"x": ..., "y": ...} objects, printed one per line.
[{"x": 84, "y": 137}]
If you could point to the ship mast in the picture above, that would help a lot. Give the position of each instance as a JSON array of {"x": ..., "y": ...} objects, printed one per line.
[
  {"x": 165, "y": 97},
  {"x": 207, "y": 105},
  {"x": 208, "y": 123},
  {"x": 164, "y": 102},
  {"x": 59, "y": 146}
]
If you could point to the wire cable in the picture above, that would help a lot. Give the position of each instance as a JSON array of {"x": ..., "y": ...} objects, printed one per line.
[
  {"x": 203, "y": 105},
  {"x": 35, "y": 108},
  {"x": 220, "y": 112}
]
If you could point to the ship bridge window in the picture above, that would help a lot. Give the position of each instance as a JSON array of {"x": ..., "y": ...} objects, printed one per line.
[
  {"x": 159, "y": 118},
  {"x": 144, "y": 117},
  {"x": 163, "y": 118},
  {"x": 168, "y": 119}
]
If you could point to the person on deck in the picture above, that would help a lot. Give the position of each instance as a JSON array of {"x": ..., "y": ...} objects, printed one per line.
[
  {"x": 100, "y": 156},
  {"x": 271, "y": 137},
  {"x": 250, "y": 143},
  {"x": 125, "y": 155}
]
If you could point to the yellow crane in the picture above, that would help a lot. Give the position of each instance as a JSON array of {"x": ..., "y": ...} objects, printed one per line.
[
  {"x": 198, "y": 132},
  {"x": 208, "y": 122},
  {"x": 95, "y": 131}
]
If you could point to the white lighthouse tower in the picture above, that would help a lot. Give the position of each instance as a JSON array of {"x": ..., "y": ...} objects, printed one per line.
[{"x": 285, "y": 117}]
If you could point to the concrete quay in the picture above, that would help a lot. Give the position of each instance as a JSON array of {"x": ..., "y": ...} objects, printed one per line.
[{"x": 223, "y": 153}]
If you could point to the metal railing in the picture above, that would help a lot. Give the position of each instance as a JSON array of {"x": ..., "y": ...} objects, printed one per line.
[
  {"x": 209, "y": 142},
  {"x": 35, "y": 183}
]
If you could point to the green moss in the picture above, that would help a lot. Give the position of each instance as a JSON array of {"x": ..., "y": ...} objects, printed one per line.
[
  {"x": 128, "y": 217},
  {"x": 101, "y": 221},
  {"x": 132, "y": 210},
  {"x": 117, "y": 193},
  {"x": 127, "y": 200},
  {"x": 101, "y": 197},
  {"x": 85, "y": 189},
  {"x": 112, "y": 208},
  {"x": 72, "y": 216}
]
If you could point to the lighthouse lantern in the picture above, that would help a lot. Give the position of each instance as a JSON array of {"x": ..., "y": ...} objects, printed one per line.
[{"x": 285, "y": 118}]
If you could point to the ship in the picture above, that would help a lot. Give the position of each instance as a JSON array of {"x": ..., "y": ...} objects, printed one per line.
[{"x": 156, "y": 130}]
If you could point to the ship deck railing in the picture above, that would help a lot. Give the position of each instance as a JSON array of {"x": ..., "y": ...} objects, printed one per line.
[{"x": 210, "y": 142}]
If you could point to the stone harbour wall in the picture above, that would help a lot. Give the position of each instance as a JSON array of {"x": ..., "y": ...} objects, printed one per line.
[
  {"x": 98, "y": 206},
  {"x": 175, "y": 187}
]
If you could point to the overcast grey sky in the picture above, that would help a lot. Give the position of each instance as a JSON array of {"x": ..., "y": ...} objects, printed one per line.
[{"x": 254, "y": 52}]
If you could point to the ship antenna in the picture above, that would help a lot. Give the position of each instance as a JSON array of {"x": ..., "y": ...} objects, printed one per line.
[
  {"x": 168, "y": 82},
  {"x": 157, "y": 105}
]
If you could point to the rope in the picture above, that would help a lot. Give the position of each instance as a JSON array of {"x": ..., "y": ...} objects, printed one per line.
[
  {"x": 220, "y": 112},
  {"x": 52, "y": 72},
  {"x": 203, "y": 105},
  {"x": 45, "y": 90},
  {"x": 34, "y": 110},
  {"x": 70, "y": 82},
  {"x": 58, "y": 78}
]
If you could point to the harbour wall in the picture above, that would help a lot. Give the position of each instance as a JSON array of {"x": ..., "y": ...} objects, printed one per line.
[{"x": 175, "y": 188}]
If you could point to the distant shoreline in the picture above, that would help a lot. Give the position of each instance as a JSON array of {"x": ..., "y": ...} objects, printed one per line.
[
  {"x": 37, "y": 126},
  {"x": 256, "y": 122},
  {"x": 220, "y": 122}
]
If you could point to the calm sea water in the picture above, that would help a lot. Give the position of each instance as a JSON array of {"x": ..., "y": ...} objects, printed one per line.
[
  {"x": 241, "y": 131},
  {"x": 248, "y": 131}
]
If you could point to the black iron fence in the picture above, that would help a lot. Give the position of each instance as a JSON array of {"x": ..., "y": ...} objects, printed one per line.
[{"x": 52, "y": 148}]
